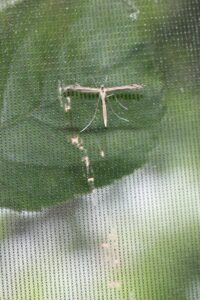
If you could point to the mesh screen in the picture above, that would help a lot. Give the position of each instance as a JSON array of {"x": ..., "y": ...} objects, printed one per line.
[{"x": 99, "y": 149}]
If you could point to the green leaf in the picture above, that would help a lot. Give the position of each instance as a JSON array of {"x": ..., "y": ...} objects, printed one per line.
[{"x": 43, "y": 155}]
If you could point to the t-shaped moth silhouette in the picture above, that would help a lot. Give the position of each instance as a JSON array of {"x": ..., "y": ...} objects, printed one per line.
[{"x": 103, "y": 93}]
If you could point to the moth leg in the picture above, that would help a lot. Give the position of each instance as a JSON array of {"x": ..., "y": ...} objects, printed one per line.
[
  {"x": 119, "y": 117},
  {"x": 88, "y": 125},
  {"x": 120, "y": 104}
]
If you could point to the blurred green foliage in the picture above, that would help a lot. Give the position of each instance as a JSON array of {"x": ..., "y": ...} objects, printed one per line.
[
  {"x": 44, "y": 42},
  {"x": 111, "y": 43}
]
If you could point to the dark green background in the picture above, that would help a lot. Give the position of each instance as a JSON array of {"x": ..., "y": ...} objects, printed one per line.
[{"x": 45, "y": 42}]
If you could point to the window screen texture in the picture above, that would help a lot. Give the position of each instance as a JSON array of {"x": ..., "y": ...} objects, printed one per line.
[{"x": 99, "y": 149}]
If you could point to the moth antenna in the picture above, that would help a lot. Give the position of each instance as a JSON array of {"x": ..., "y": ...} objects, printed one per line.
[
  {"x": 123, "y": 119},
  {"x": 94, "y": 81},
  {"x": 88, "y": 125},
  {"x": 106, "y": 80}
]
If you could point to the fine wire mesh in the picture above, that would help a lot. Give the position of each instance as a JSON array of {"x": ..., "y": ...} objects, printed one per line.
[{"x": 108, "y": 213}]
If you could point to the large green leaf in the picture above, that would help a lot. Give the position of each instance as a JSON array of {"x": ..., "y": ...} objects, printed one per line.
[{"x": 43, "y": 155}]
